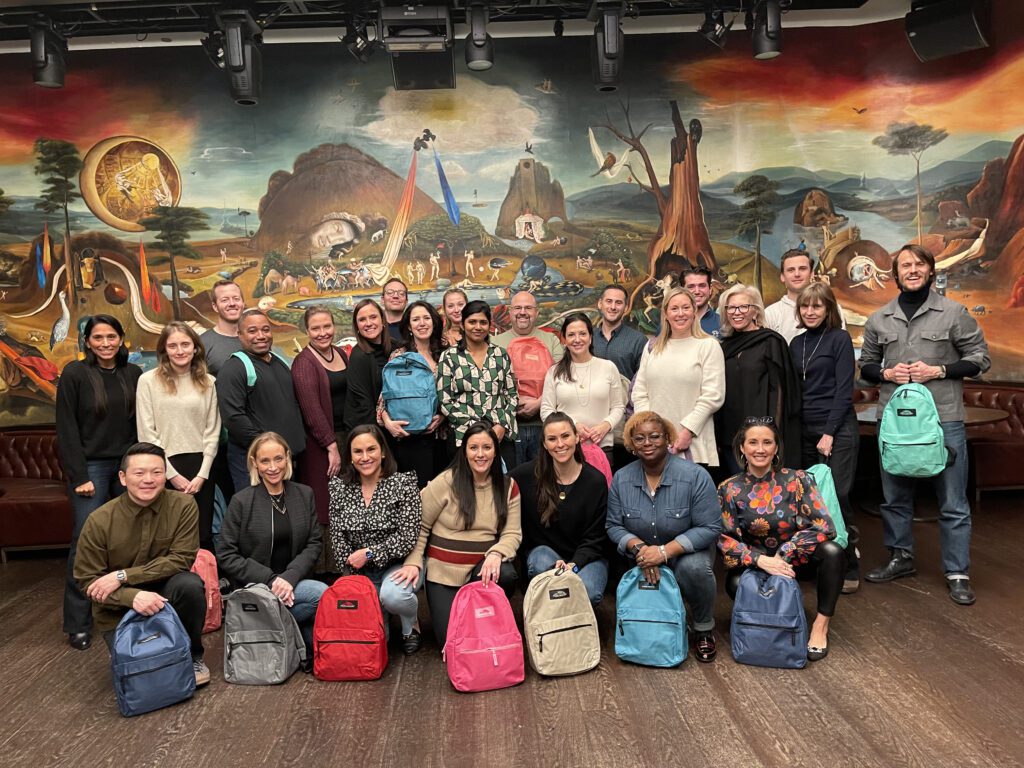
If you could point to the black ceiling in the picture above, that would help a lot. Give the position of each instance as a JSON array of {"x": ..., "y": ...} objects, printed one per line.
[{"x": 144, "y": 18}]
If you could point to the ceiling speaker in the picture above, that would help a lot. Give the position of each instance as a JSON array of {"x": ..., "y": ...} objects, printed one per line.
[{"x": 947, "y": 27}]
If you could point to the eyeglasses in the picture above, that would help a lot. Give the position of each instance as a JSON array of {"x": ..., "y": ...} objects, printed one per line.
[
  {"x": 653, "y": 437},
  {"x": 759, "y": 421},
  {"x": 395, "y": 294},
  {"x": 524, "y": 309},
  {"x": 738, "y": 309}
]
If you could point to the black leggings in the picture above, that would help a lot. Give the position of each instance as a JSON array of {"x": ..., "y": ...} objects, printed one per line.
[
  {"x": 440, "y": 596},
  {"x": 828, "y": 560},
  {"x": 188, "y": 465}
]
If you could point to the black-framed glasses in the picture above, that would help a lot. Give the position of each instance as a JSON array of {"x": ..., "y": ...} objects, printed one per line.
[
  {"x": 653, "y": 437},
  {"x": 738, "y": 309},
  {"x": 759, "y": 421}
]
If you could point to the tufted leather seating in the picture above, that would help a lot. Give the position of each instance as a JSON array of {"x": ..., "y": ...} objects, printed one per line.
[{"x": 34, "y": 509}]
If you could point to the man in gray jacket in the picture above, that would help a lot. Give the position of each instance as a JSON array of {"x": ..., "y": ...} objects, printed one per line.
[{"x": 926, "y": 338}]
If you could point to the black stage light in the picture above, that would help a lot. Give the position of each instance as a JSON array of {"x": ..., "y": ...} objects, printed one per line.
[
  {"x": 714, "y": 29},
  {"x": 479, "y": 44},
  {"x": 607, "y": 50},
  {"x": 767, "y": 37},
  {"x": 48, "y": 47}
]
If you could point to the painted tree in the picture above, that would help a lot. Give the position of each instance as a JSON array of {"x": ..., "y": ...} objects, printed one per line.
[
  {"x": 911, "y": 139},
  {"x": 58, "y": 163},
  {"x": 758, "y": 212},
  {"x": 174, "y": 225},
  {"x": 5, "y": 202}
]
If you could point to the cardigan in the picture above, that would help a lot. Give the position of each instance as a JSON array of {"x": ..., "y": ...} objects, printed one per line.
[
  {"x": 185, "y": 421},
  {"x": 595, "y": 395},
  {"x": 685, "y": 383},
  {"x": 452, "y": 550},
  {"x": 246, "y": 537},
  {"x": 388, "y": 526}
]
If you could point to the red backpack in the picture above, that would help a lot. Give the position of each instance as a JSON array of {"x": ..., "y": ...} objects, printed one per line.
[
  {"x": 205, "y": 567},
  {"x": 348, "y": 635},
  {"x": 531, "y": 360}
]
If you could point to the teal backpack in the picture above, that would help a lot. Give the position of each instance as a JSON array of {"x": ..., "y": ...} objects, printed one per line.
[
  {"x": 910, "y": 438},
  {"x": 250, "y": 369},
  {"x": 822, "y": 475}
]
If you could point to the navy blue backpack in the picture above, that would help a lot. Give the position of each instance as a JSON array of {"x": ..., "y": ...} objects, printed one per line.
[
  {"x": 650, "y": 620},
  {"x": 410, "y": 391},
  {"x": 769, "y": 628},
  {"x": 151, "y": 662}
]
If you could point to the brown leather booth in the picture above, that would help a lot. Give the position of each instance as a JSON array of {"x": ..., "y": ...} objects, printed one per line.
[{"x": 34, "y": 509}]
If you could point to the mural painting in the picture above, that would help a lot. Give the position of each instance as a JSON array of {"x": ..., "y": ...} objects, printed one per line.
[{"x": 131, "y": 195}]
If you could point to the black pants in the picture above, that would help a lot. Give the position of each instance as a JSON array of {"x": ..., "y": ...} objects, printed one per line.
[
  {"x": 423, "y": 454},
  {"x": 188, "y": 465},
  {"x": 828, "y": 563},
  {"x": 185, "y": 593},
  {"x": 440, "y": 597}
]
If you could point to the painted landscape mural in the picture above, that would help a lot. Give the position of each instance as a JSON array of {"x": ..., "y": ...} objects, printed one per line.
[{"x": 137, "y": 186}]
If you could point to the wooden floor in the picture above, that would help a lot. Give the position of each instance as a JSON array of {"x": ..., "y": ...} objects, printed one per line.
[{"x": 911, "y": 680}]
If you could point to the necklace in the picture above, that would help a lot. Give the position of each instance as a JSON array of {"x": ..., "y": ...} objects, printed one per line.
[
  {"x": 583, "y": 403},
  {"x": 564, "y": 488},
  {"x": 328, "y": 360},
  {"x": 278, "y": 503},
  {"x": 804, "y": 360},
  {"x": 651, "y": 491}
]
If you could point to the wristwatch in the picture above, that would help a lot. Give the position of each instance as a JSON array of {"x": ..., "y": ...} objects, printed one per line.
[
  {"x": 122, "y": 577},
  {"x": 369, "y": 555},
  {"x": 942, "y": 371}
]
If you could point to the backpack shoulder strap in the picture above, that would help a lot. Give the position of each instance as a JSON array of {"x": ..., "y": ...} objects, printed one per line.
[{"x": 250, "y": 369}]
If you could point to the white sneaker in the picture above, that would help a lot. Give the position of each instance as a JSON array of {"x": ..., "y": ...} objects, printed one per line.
[{"x": 202, "y": 672}]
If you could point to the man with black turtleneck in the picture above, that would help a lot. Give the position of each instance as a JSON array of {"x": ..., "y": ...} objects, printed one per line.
[{"x": 926, "y": 338}]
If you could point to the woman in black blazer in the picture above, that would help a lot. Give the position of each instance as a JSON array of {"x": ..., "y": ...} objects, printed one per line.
[{"x": 270, "y": 533}]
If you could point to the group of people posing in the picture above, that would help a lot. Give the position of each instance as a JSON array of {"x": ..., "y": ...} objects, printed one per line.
[{"x": 512, "y": 461}]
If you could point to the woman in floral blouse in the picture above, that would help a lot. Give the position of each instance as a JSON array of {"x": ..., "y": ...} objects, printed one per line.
[
  {"x": 774, "y": 519},
  {"x": 475, "y": 383},
  {"x": 375, "y": 519}
]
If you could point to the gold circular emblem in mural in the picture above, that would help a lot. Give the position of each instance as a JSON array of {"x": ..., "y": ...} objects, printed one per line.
[{"x": 125, "y": 177}]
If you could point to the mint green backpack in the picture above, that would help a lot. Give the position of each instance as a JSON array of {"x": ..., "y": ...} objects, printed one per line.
[
  {"x": 822, "y": 475},
  {"x": 911, "y": 442}
]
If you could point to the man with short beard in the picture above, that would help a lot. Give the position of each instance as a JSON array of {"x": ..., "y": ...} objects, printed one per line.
[{"x": 613, "y": 339}]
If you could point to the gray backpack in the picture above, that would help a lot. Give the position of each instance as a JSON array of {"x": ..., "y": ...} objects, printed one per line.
[
  {"x": 262, "y": 641},
  {"x": 559, "y": 625}
]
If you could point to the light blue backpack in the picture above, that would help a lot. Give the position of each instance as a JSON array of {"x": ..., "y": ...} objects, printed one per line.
[
  {"x": 409, "y": 391},
  {"x": 911, "y": 442},
  {"x": 650, "y": 626}
]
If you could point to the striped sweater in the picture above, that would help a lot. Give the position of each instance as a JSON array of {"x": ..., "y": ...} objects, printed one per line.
[{"x": 453, "y": 552}]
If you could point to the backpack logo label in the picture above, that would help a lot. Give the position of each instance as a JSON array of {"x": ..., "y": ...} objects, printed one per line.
[
  {"x": 906, "y": 411},
  {"x": 484, "y": 613},
  {"x": 646, "y": 585},
  {"x": 348, "y": 605},
  {"x": 558, "y": 594},
  {"x": 154, "y": 636},
  {"x": 250, "y": 607}
]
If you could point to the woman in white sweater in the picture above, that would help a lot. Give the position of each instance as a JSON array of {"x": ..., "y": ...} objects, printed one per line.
[
  {"x": 176, "y": 408},
  {"x": 682, "y": 377},
  {"x": 585, "y": 387}
]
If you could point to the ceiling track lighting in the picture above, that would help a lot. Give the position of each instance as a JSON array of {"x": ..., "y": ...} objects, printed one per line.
[
  {"x": 607, "y": 50},
  {"x": 48, "y": 46},
  {"x": 479, "y": 44},
  {"x": 767, "y": 29},
  {"x": 714, "y": 29},
  {"x": 243, "y": 58},
  {"x": 358, "y": 42}
]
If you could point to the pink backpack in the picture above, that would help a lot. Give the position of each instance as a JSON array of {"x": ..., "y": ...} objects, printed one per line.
[
  {"x": 595, "y": 457},
  {"x": 484, "y": 650},
  {"x": 205, "y": 567},
  {"x": 530, "y": 363}
]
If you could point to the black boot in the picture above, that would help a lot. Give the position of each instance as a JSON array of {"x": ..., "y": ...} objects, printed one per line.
[{"x": 901, "y": 564}]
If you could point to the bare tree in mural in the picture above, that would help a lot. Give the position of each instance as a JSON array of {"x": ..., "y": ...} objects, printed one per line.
[
  {"x": 682, "y": 229},
  {"x": 58, "y": 163},
  {"x": 174, "y": 225},
  {"x": 911, "y": 139},
  {"x": 758, "y": 213},
  {"x": 5, "y": 202}
]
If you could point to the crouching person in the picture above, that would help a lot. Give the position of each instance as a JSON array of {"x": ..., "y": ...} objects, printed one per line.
[{"x": 137, "y": 551}]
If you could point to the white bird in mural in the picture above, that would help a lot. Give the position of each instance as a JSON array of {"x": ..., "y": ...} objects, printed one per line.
[
  {"x": 606, "y": 162},
  {"x": 61, "y": 324}
]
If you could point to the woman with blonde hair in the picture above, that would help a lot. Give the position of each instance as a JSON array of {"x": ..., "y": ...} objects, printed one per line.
[
  {"x": 760, "y": 378},
  {"x": 176, "y": 409},
  {"x": 682, "y": 377},
  {"x": 453, "y": 302}
]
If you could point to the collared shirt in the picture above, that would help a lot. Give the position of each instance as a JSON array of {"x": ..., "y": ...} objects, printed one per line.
[
  {"x": 684, "y": 507},
  {"x": 468, "y": 392},
  {"x": 150, "y": 544},
  {"x": 782, "y": 318},
  {"x": 941, "y": 332},
  {"x": 624, "y": 348},
  {"x": 711, "y": 323}
]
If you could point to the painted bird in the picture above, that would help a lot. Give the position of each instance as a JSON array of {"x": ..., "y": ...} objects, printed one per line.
[
  {"x": 859, "y": 110},
  {"x": 529, "y": 147},
  {"x": 59, "y": 332},
  {"x": 607, "y": 165}
]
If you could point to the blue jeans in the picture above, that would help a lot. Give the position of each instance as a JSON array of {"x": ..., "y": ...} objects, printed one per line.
[
  {"x": 954, "y": 510},
  {"x": 401, "y": 601},
  {"x": 528, "y": 440},
  {"x": 696, "y": 578},
  {"x": 307, "y": 595},
  {"x": 594, "y": 575},
  {"x": 103, "y": 474}
]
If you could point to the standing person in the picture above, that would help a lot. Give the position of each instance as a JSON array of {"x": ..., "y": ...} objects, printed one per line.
[
  {"x": 697, "y": 280},
  {"x": 926, "y": 338},
  {"x": 176, "y": 408},
  {"x": 375, "y": 520},
  {"x": 824, "y": 359},
  {"x": 267, "y": 404},
  {"x": 470, "y": 529},
  {"x": 475, "y": 382},
  {"x": 564, "y": 502},
  {"x": 422, "y": 453},
  {"x": 663, "y": 510},
  {"x": 760, "y": 378},
  {"x": 586, "y": 388},
  {"x": 682, "y": 377},
  {"x": 614, "y": 340},
  {"x": 367, "y": 360},
  {"x": 526, "y": 366},
  {"x": 452, "y": 304},
  {"x": 271, "y": 535},
  {"x": 95, "y": 426},
  {"x": 796, "y": 270},
  {"x": 136, "y": 551},
  {"x": 394, "y": 295},
  {"x": 221, "y": 341}
]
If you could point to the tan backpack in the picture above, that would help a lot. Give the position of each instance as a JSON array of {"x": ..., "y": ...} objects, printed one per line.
[{"x": 560, "y": 626}]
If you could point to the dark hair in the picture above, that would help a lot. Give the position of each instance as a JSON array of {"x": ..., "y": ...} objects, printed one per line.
[
  {"x": 699, "y": 271},
  {"x": 361, "y": 341},
  {"x": 544, "y": 471},
  {"x": 741, "y": 434},
  {"x": 463, "y": 486},
  {"x": 436, "y": 341},
  {"x": 475, "y": 307},
  {"x": 142, "y": 449},
  {"x": 792, "y": 253},
  {"x": 394, "y": 280},
  {"x": 253, "y": 312},
  {"x": 563, "y": 369},
  {"x": 388, "y": 466},
  {"x": 922, "y": 253},
  {"x": 614, "y": 287},
  {"x": 120, "y": 366},
  {"x": 319, "y": 309},
  {"x": 813, "y": 292}
]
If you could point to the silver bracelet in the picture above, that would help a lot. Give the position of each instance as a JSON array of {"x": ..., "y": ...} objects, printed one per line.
[{"x": 664, "y": 554}]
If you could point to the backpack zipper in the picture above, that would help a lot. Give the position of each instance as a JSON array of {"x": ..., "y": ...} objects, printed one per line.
[
  {"x": 542, "y": 635},
  {"x": 791, "y": 630},
  {"x": 493, "y": 651},
  {"x": 148, "y": 671},
  {"x": 622, "y": 630}
]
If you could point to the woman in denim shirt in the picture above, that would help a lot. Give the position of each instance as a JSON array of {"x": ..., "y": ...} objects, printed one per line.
[{"x": 663, "y": 510}]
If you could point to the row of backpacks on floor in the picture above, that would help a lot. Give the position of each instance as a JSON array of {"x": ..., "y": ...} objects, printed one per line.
[{"x": 152, "y": 667}]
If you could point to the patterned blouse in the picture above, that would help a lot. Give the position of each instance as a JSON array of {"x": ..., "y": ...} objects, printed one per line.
[
  {"x": 389, "y": 525},
  {"x": 469, "y": 392},
  {"x": 780, "y": 514}
]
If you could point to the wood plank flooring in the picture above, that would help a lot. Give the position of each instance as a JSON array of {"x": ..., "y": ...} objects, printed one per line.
[{"x": 911, "y": 680}]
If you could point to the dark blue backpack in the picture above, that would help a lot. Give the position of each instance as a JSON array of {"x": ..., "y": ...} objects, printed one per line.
[
  {"x": 410, "y": 391},
  {"x": 650, "y": 626},
  {"x": 769, "y": 628},
  {"x": 151, "y": 662}
]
